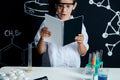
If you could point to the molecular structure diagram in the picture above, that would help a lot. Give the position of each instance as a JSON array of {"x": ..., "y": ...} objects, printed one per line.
[
  {"x": 36, "y": 8},
  {"x": 12, "y": 34},
  {"x": 109, "y": 24}
]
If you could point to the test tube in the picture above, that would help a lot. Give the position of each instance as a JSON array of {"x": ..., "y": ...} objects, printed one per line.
[
  {"x": 97, "y": 57},
  {"x": 29, "y": 57},
  {"x": 101, "y": 54},
  {"x": 94, "y": 59},
  {"x": 90, "y": 58}
]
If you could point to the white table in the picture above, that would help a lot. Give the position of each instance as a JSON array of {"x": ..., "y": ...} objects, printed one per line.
[{"x": 54, "y": 73}]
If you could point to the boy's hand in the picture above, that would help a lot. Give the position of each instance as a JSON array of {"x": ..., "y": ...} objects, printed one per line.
[
  {"x": 45, "y": 32},
  {"x": 79, "y": 38}
]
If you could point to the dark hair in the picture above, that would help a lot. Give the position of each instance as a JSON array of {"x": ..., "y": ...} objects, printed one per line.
[{"x": 51, "y": 7}]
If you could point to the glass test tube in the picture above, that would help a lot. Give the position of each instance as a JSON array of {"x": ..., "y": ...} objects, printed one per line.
[
  {"x": 101, "y": 56},
  {"x": 29, "y": 57},
  {"x": 90, "y": 58}
]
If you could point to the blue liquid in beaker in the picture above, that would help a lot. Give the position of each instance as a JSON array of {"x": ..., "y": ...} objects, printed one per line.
[{"x": 102, "y": 77}]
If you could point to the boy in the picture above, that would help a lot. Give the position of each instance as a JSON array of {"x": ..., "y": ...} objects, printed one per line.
[{"x": 68, "y": 55}]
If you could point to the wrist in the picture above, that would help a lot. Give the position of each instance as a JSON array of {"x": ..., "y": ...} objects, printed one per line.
[{"x": 41, "y": 39}]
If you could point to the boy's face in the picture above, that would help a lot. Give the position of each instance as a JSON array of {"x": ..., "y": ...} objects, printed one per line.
[{"x": 64, "y": 9}]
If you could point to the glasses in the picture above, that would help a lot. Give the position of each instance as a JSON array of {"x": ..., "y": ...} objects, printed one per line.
[{"x": 64, "y": 5}]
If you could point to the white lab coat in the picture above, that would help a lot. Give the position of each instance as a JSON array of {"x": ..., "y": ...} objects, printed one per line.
[{"x": 66, "y": 56}]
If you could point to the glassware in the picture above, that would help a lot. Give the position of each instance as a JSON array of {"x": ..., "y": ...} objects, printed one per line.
[
  {"x": 29, "y": 57},
  {"x": 103, "y": 74},
  {"x": 101, "y": 54},
  {"x": 90, "y": 58}
]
